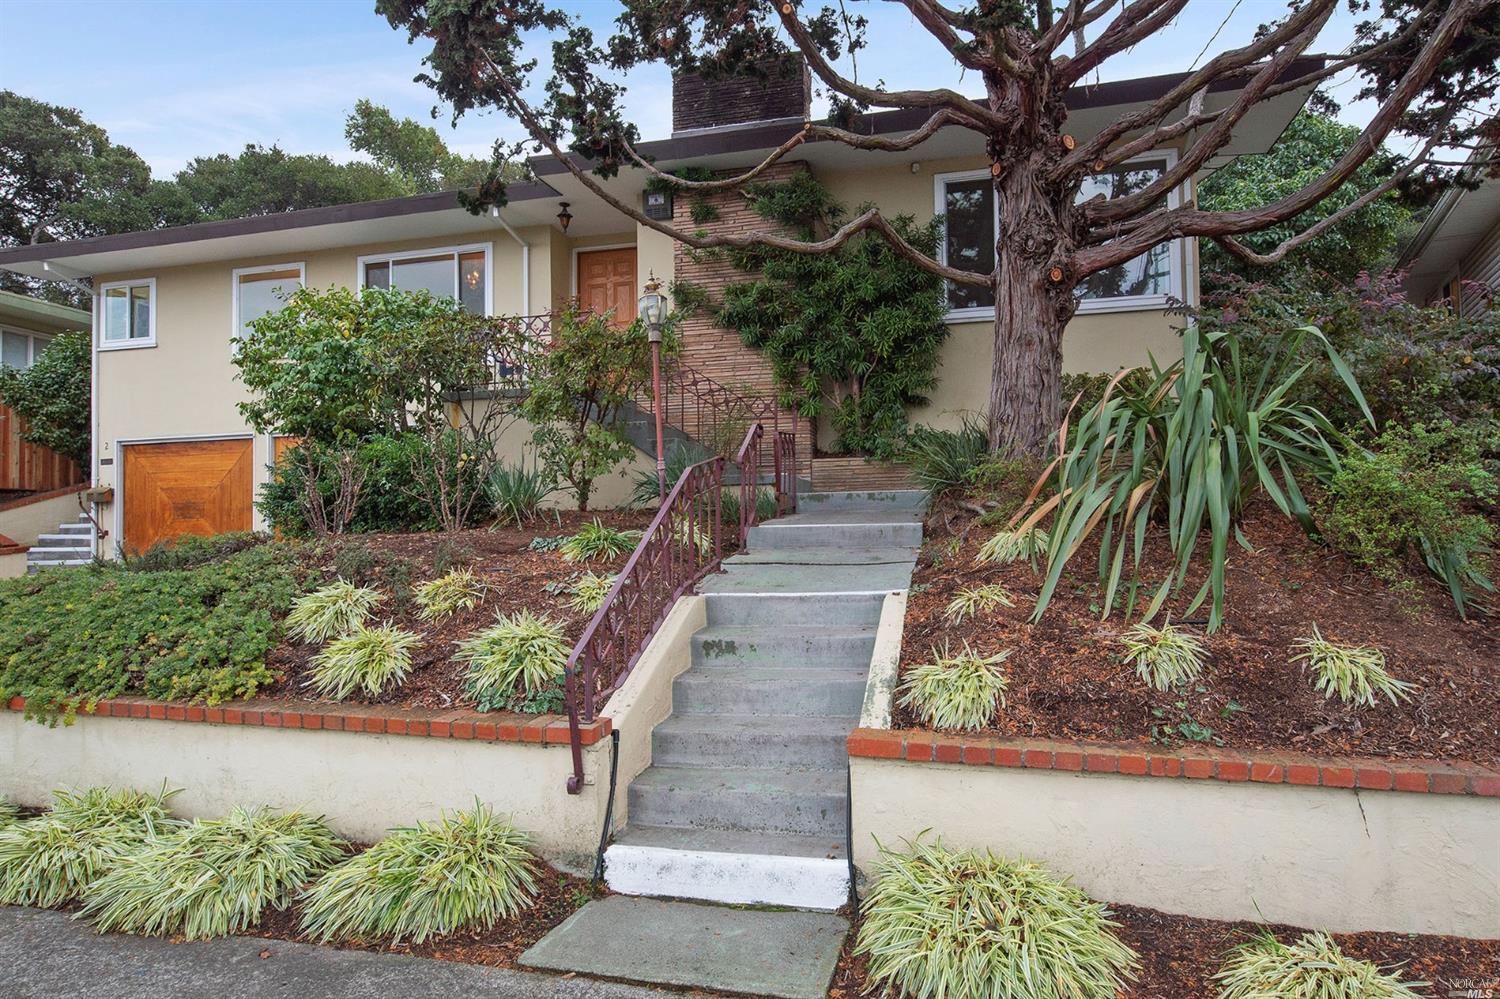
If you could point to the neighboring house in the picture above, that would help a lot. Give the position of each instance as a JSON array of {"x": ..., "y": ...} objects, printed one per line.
[
  {"x": 27, "y": 325},
  {"x": 170, "y": 302},
  {"x": 1455, "y": 256}
]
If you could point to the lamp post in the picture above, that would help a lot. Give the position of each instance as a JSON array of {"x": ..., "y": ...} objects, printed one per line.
[{"x": 653, "y": 311}]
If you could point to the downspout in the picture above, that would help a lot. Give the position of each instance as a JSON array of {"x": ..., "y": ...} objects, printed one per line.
[
  {"x": 525, "y": 259},
  {"x": 77, "y": 281}
]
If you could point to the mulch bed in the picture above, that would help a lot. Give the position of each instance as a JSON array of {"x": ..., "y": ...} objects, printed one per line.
[
  {"x": 1068, "y": 680},
  {"x": 515, "y": 578}
]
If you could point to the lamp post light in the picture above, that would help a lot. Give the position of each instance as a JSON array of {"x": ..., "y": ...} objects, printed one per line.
[{"x": 653, "y": 311}]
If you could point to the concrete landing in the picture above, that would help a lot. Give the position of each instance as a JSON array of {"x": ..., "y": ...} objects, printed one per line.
[{"x": 790, "y": 955}]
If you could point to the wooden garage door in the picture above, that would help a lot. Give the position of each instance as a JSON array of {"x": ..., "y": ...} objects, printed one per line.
[{"x": 186, "y": 487}]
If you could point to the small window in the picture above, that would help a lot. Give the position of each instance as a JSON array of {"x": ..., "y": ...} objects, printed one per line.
[
  {"x": 1149, "y": 279},
  {"x": 128, "y": 314},
  {"x": 259, "y": 291},
  {"x": 460, "y": 274},
  {"x": 20, "y": 350}
]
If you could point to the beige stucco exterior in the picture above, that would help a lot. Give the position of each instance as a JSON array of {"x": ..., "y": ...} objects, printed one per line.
[{"x": 22, "y": 522}]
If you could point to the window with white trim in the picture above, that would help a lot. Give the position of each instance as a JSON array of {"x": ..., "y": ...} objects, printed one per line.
[
  {"x": 967, "y": 201},
  {"x": 259, "y": 291},
  {"x": 127, "y": 314},
  {"x": 19, "y": 349},
  {"x": 460, "y": 273}
]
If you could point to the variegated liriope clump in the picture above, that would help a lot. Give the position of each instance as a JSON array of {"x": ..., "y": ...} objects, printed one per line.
[
  {"x": 960, "y": 690},
  {"x": 1007, "y": 546},
  {"x": 1355, "y": 674},
  {"x": 445, "y": 596},
  {"x": 976, "y": 600},
  {"x": 588, "y": 593},
  {"x": 369, "y": 659},
  {"x": 1312, "y": 968},
  {"x": 1164, "y": 657},
  {"x": 331, "y": 612},
  {"x": 517, "y": 657}
]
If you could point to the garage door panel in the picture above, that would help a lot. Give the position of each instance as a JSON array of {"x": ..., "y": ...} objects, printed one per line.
[{"x": 186, "y": 487}]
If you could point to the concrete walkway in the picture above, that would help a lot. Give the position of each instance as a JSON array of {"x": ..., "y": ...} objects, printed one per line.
[{"x": 47, "y": 955}]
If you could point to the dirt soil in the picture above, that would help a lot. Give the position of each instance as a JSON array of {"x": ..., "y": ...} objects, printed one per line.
[
  {"x": 515, "y": 577},
  {"x": 1068, "y": 679}
]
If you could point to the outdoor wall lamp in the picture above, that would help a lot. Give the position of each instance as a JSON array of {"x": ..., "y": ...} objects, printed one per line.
[
  {"x": 653, "y": 312},
  {"x": 564, "y": 217}
]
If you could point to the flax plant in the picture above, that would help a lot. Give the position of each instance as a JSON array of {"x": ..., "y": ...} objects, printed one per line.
[
  {"x": 941, "y": 923},
  {"x": 445, "y": 596},
  {"x": 596, "y": 541},
  {"x": 520, "y": 654},
  {"x": 331, "y": 612},
  {"x": 368, "y": 659},
  {"x": 1312, "y": 968},
  {"x": 976, "y": 600},
  {"x": 467, "y": 871},
  {"x": 1355, "y": 673},
  {"x": 213, "y": 877},
  {"x": 1164, "y": 657},
  {"x": 589, "y": 592},
  {"x": 961, "y": 691}
]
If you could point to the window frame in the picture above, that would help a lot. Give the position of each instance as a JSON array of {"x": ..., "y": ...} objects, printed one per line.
[
  {"x": 33, "y": 347},
  {"x": 236, "y": 328},
  {"x": 136, "y": 343},
  {"x": 362, "y": 262},
  {"x": 940, "y": 182}
]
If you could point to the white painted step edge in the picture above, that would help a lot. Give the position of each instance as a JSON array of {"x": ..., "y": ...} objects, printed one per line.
[{"x": 730, "y": 878}]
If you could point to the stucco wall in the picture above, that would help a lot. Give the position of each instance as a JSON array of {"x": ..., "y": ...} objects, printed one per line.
[
  {"x": 1342, "y": 860},
  {"x": 23, "y": 523}
]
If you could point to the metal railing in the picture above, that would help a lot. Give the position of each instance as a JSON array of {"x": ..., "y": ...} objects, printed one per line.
[{"x": 685, "y": 542}]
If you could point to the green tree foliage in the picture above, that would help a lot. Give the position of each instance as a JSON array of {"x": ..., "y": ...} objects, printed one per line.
[
  {"x": 409, "y": 151},
  {"x": 263, "y": 180},
  {"x": 853, "y": 335},
  {"x": 52, "y": 396},
  {"x": 1311, "y": 145}
]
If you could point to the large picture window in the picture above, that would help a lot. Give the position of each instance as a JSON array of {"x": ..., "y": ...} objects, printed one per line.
[
  {"x": 460, "y": 273},
  {"x": 127, "y": 314},
  {"x": 20, "y": 350},
  {"x": 259, "y": 291}
]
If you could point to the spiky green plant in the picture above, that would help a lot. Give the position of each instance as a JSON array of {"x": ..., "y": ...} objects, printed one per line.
[
  {"x": 1312, "y": 968},
  {"x": 941, "y": 923},
  {"x": 213, "y": 877},
  {"x": 1355, "y": 673},
  {"x": 597, "y": 541},
  {"x": 8, "y": 811},
  {"x": 693, "y": 536},
  {"x": 331, "y": 612},
  {"x": 519, "y": 655},
  {"x": 445, "y": 596},
  {"x": 588, "y": 593},
  {"x": 467, "y": 871},
  {"x": 368, "y": 659},
  {"x": 961, "y": 691},
  {"x": 52, "y": 858},
  {"x": 1008, "y": 546},
  {"x": 1164, "y": 657},
  {"x": 977, "y": 600}
]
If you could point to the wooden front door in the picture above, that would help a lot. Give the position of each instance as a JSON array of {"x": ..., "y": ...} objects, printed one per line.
[
  {"x": 186, "y": 487},
  {"x": 606, "y": 282}
]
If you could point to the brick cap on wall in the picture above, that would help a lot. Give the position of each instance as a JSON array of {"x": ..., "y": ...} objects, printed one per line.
[
  {"x": 377, "y": 719},
  {"x": 1248, "y": 766}
]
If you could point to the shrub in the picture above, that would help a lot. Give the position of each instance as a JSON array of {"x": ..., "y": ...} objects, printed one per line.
[
  {"x": 960, "y": 691},
  {"x": 368, "y": 659},
  {"x": 516, "y": 658},
  {"x": 52, "y": 858},
  {"x": 977, "y": 600},
  {"x": 467, "y": 871},
  {"x": 596, "y": 541},
  {"x": 590, "y": 591},
  {"x": 69, "y": 638},
  {"x": 942, "y": 460},
  {"x": 191, "y": 551},
  {"x": 1312, "y": 968},
  {"x": 1411, "y": 494},
  {"x": 213, "y": 877},
  {"x": 331, "y": 612},
  {"x": 1007, "y": 546},
  {"x": 1355, "y": 673},
  {"x": 1164, "y": 657},
  {"x": 939, "y": 922},
  {"x": 449, "y": 594},
  {"x": 516, "y": 493}
]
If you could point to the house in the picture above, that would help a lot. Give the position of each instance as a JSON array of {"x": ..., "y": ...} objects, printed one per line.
[
  {"x": 1455, "y": 256},
  {"x": 170, "y": 302}
]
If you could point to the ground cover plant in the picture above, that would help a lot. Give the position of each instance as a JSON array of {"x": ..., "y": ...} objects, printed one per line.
[
  {"x": 8, "y": 811},
  {"x": 516, "y": 660},
  {"x": 596, "y": 540},
  {"x": 53, "y": 858},
  {"x": 371, "y": 659},
  {"x": 1312, "y": 968},
  {"x": 457, "y": 590},
  {"x": 466, "y": 871},
  {"x": 977, "y": 600},
  {"x": 1164, "y": 657},
  {"x": 331, "y": 612},
  {"x": 1355, "y": 674},
  {"x": 212, "y": 877},
  {"x": 957, "y": 690},
  {"x": 589, "y": 591}
]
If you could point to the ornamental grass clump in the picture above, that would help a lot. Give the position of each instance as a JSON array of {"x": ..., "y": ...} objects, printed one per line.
[
  {"x": 368, "y": 659},
  {"x": 467, "y": 871},
  {"x": 515, "y": 659},
  {"x": 596, "y": 541},
  {"x": 960, "y": 691},
  {"x": 1164, "y": 657},
  {"x": 589, "y": 592},
  {"x": 941, "y": 923},
  {"x": 1355, "y": 673},
  {"x": 8, "y": 811},
  {"x": 445, "y": 596},
  {"x": 52, "y": 858},
  {"x": 977, "y": 600},
  {"x": 1006, "y": 547},
  {"x": 334, "y": 611},
  {"x": 213, "y": 877},
  {"x": 1312, "y": 968}
]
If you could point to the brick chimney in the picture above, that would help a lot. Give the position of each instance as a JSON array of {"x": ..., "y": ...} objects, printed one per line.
[{"x": 785, "y": 92}]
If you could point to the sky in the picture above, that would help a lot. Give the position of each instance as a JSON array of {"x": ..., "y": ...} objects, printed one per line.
[{"x": 174, "y": 79}]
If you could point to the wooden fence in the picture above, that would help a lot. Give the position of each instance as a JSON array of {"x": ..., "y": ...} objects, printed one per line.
[{"x": 29, "y": 467}]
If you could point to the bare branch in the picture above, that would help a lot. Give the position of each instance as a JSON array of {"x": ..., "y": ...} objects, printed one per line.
[
  {"x": 931, "y": 16},
  {"x": 1075, "y": 18},
  {"x": 1139, "y": 20}
]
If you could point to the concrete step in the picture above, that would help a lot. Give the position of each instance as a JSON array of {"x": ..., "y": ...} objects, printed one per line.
[
  {"x": 78, "y": 540},
  {"x": 890, "y": 499},
  {"x": 758, "y": 577},
  {"x": 798, "y": 802},
  {"x": 768, "y": 690},
  {"x": 729, "y": 867},
  {"x": 805, "y": 648},
  {"x": 76, "y": 527},
  {"x": 788, "y": 612},
  {"x": 823, "y": 556},
  {"x": 753, "y": 741},
  {"x": 837, "y": 529}
]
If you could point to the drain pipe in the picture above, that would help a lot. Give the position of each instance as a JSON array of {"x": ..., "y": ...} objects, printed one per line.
[
  {"x": 525, "y": 259},
  {"x": 609, "y": 808}
]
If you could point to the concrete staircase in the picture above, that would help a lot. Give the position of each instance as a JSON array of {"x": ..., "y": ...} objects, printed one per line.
[
  {"x": 746, "y": 799},
  {"x": 72, "y": 545}
]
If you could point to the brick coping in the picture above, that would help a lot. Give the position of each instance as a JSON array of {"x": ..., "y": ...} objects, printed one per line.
[
  {"x": 374, "y": 719},
  {"x": 1254, "y": 766},
  {"x": 30, "y": 498}
]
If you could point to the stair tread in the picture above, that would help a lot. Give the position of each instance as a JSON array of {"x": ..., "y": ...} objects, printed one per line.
[
  {"x": 730, "y": 725},
  {"x": 732, "y": 841},
  {"x": 743, "y": 780},
  {"x": 758, "y": 631},
  {"x": 747, "y": 675}
]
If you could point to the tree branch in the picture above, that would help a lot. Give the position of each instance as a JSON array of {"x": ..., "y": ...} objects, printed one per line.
[
  {"x": 1139, "y": 20},
  {"x": 941, "y": 27}
]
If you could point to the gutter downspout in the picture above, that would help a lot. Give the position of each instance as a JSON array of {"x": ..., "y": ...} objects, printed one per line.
[
  {"x": 525, "y": 260},
  {"x": 77, "y": 280}
]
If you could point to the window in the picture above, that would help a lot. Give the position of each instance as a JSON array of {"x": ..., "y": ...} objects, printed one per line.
[
  {"x": 460, "y": 273},
  {"x": 20, "y": 350},
  {"x": 259, "y": 291},
  {"x": 967, "y": 200},
  {"x": 128, "y": 314}
]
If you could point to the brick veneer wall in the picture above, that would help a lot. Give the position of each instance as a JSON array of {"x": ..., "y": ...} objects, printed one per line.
[{"x": 702, "y": 103}]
